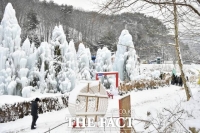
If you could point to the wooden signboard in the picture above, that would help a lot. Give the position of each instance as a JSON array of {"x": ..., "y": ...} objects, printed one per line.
[{"x": 125, "y": 111}]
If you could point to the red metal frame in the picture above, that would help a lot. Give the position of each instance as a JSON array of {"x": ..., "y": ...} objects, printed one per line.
[{"x": 108, "y": 73}]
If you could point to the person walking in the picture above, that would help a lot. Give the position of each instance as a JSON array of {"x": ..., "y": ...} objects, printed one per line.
[{"x": 34, "y": 112}]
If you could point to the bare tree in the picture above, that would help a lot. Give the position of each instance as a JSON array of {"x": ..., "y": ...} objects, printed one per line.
[
  {"x": 187, "y": 90},
  {"x": 177, "y": 12}
]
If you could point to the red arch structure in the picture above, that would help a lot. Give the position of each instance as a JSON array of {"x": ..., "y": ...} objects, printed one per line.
[{"x": 108, "y": 73}]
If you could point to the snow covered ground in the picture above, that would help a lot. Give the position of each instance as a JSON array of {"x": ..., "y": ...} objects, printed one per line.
[
  {"x": 153, "y": 101},
  {"x": 18, "y": 67}
]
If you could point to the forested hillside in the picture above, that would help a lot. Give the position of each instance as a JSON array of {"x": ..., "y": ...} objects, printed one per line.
[{"x": 37, "y": 20}]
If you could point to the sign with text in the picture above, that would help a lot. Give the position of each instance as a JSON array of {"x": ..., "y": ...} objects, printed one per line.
[{"x": 125, "y": 104}]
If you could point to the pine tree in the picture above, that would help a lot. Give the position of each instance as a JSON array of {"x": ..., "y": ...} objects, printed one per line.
[
  {"x": 32, "y": 21},
  {"x": 36, "y": 41},
  {"x": 30, "y": 28}
]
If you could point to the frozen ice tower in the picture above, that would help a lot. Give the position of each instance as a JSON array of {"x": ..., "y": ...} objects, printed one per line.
[
  {"x": 10, "y": 30},
  {"x": 126, "y": 59}
]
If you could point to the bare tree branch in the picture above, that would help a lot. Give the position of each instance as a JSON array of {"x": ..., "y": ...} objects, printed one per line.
[{"x": 177, "y": 119}]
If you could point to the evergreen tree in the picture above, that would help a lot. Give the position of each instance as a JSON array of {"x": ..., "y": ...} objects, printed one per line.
[
  {"x": 30, "y": 27},
  {"x": 36, "y": 41},
  {"x": 32, "y": 21},
  {"x": 109, "y": 40}
]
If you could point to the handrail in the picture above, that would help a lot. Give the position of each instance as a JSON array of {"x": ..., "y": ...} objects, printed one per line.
[{"x": 55, "y": 127}]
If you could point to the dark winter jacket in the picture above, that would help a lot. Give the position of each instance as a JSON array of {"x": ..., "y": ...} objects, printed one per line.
[{"x": 34, "y": 108}]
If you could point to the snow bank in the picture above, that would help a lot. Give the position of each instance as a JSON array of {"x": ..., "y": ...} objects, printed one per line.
[
  {"x": 9, "y": 99},
  {"x": 20, "y": 107}
]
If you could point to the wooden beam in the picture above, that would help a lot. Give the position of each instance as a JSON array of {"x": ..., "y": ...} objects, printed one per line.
[
  {"x": 86, "y": 108},
  {"x": 97, "y": 103},
  {"x": 90, "y": 113},
  {"x": 92, "y": 95}
]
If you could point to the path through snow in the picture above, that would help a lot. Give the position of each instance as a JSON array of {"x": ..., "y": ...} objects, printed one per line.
[{"x": 141, "y": 102}]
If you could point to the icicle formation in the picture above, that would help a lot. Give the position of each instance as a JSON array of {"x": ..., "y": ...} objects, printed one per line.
[
  {"x": 83, "y": 62},
  {"x": 15, "y": 62},
  {"x": 103, "y": 60},
  {"x": 10, "y": 32},
  {"x": 64, "y": 61},
  {"x": 44, "y": 57},
  {"x": 59, "y": 42},
  {"x": 71, "y": 56},
  {"x": 126, "y": 60},
  {"x": 104, "y": 64}
]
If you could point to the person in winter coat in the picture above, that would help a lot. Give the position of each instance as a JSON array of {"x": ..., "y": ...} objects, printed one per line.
[
  {"x": 176, "y": 80},
  {"x": 34, "y": 112},
  {"x": 161, "y": 76},
  {"x": 180, "y": 81},
  {"x": 173, "y": 79}
]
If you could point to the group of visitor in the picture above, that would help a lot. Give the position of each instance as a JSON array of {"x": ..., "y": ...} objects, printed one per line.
[{"x": 176, "y": 80}]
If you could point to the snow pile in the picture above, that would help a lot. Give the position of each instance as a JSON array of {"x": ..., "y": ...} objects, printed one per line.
[
  {"x": 166, "y": 110},
  {"x": 192, "y": 111},
  {"x": 9, "y": 99},
  {"x": 26, "y": 92},
  {"x": 156, "y": 74}
]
